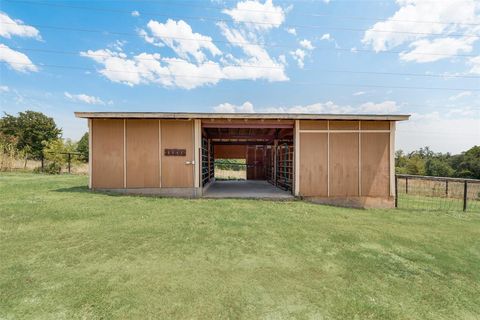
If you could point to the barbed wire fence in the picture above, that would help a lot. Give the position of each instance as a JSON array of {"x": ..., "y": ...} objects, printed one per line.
[{"x": 437, "y": 193}]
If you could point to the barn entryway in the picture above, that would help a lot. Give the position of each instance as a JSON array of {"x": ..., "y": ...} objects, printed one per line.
[{"x": 247, "y": 159}]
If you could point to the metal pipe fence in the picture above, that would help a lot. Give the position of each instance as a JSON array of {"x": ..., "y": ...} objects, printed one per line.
[{"x": 437, "y": 193}]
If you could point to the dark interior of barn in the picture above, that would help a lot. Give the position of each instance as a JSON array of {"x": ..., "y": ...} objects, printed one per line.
[{"x": 266, "y": 148}]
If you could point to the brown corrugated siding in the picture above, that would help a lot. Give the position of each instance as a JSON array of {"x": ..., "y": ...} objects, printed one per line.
[
  {"x": 142, "y": 154},
  {"x": 375, "y": 164},
  {"x": 107, "y": 153},
  {"x": 313, "y": 164}
]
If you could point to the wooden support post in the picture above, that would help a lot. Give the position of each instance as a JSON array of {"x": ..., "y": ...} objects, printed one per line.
[
  {"x": 446, "y": 188},
  {"x": 406, "y": 185},
  {"x": 396, "y": 192},
  {"x": 465, "y": 192},
  {"x": 69, "y": 162}
]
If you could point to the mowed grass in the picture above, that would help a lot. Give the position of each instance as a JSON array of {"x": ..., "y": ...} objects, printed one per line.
[{"x": 67, "y": 253}]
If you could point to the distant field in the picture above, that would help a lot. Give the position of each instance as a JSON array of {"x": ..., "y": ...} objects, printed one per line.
[{"x": 67, "y": 253}]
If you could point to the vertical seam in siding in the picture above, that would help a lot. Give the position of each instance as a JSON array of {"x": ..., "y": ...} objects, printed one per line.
[
  {"x": 124, "y": 153},
  {"x": 328, "y": 158},
  {"x": 90, "y": 153},
  {"x": 160, "y": 152},
  {"x": 359, "y": 158},
  {"x": 296, "y": 162},
  {"x": 392, "y": 157}
]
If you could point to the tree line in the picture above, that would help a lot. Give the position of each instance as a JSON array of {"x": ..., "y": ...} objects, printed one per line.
[
  {"x": 429, "y": 163},
  {"x": 33, "y": 135}
]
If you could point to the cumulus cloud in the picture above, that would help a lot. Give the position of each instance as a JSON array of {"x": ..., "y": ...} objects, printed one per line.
[
  {"x": 16, "y": 60},
  {"x": 10, "y": 27},
  {"x": 292, "y": 31},
  {"x": 4, "y": 89},
  {"x": 265, "y": 15},
  {"x": 299, "y": 56},
  {"x": 179, "y": 36},
  {"x": 319, "y": 108},
  {"x": 246, "y": 107},
  {"x": 326, "y": 37},
  {"x": 359, "y": 93},
  {"x": 256, "y": 55},
  {"x": 446, "y": 46},
  {"x": 81, "y": 97},
  {"x": 135, "y": 13},
  {"x": 454, "y": 18},
  {"x": 147, "y": 68},
  {"x": 307, "y": 44}
]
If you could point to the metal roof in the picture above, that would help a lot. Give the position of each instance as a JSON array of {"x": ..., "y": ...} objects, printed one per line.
[{"x": 211, "y": 115}]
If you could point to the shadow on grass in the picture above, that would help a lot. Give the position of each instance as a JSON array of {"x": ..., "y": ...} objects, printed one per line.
[{"x": 85, "y": 189}]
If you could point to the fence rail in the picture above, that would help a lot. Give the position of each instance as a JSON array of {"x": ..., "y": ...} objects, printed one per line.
[{"x": 437, "y": 193}]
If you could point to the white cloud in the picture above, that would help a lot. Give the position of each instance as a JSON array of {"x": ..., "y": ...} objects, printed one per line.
[
  {"x": 292, "y": 31},
  {"x": 326, "y": 37},
  {"x": 454, "y": 17},
  {"x": 359, "y": 93},
  {"x": 179, "y": 36},
  {"x": 328, "y": 107},
  {"x": 135, "y": 13},
  {"x": 299, "y": 56},
  {"x": 10, "y": 27},
  {"x": 256, "y": 55},
  {"x": 4, "y": 89},
  {"x": 152, "y": 68},
  {"x": 265, "y": 15},
  {"x": 475, "y": 64},
  {"x": 376, "y": 108},
  {"x": 307, "y": 44},
  {"x": 16, "y": 60},
  {"x": 460, "y": 95},
  {"x": 447, "y": 46},
  {"x": 246, "y": 107},
  {"x": 81, "y": 97},
  {"x": 450, "y": 132}
]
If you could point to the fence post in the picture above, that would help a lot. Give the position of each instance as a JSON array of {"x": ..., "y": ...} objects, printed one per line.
[
  {"x": 406, "y": 185},
  {"x": 446, "y": 188},
  {"x": 465, "y": 189},
  {"x": 69, "y": 162},
  {"x": 43, "y": 165},
  {"x": 396, "y": 191}
]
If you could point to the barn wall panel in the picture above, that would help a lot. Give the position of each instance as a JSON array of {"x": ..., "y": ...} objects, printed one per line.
[
  {"x": 176, "y": 173},
  {"x": 375, "y": 167},
  {"x": 344, "y": 125},
  {"x": 142, "y": 153},
  {"x": 230, "y": 151},
  {"x": 313, "y": 164},
  {"x": 107, "y": 153},
  {"x": 375, "y": 125},
  {"x": 344, "y": 174},
  {"x": 313, "y": 125}
]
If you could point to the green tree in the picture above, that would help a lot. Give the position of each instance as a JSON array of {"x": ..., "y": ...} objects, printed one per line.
[
  {"x": 415, "y": 165},
  {"x": 82, "y": 147},
  {"x": 438, "y": 167},
  {"x": 467, "y": 164},
  {"x": 31, "y": 129}
]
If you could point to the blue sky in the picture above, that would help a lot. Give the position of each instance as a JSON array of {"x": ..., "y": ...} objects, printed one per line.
[{"x": 336, "y": 56}]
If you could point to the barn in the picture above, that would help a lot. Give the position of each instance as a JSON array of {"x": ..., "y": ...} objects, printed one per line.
[{"x": 340, "y": 159}]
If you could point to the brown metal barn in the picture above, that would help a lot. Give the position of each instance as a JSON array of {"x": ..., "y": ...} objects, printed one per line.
[{"x": 337, "y": 159}]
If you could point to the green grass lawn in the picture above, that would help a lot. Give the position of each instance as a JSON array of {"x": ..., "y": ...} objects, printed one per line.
[{"x": 67, "y": 253}]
